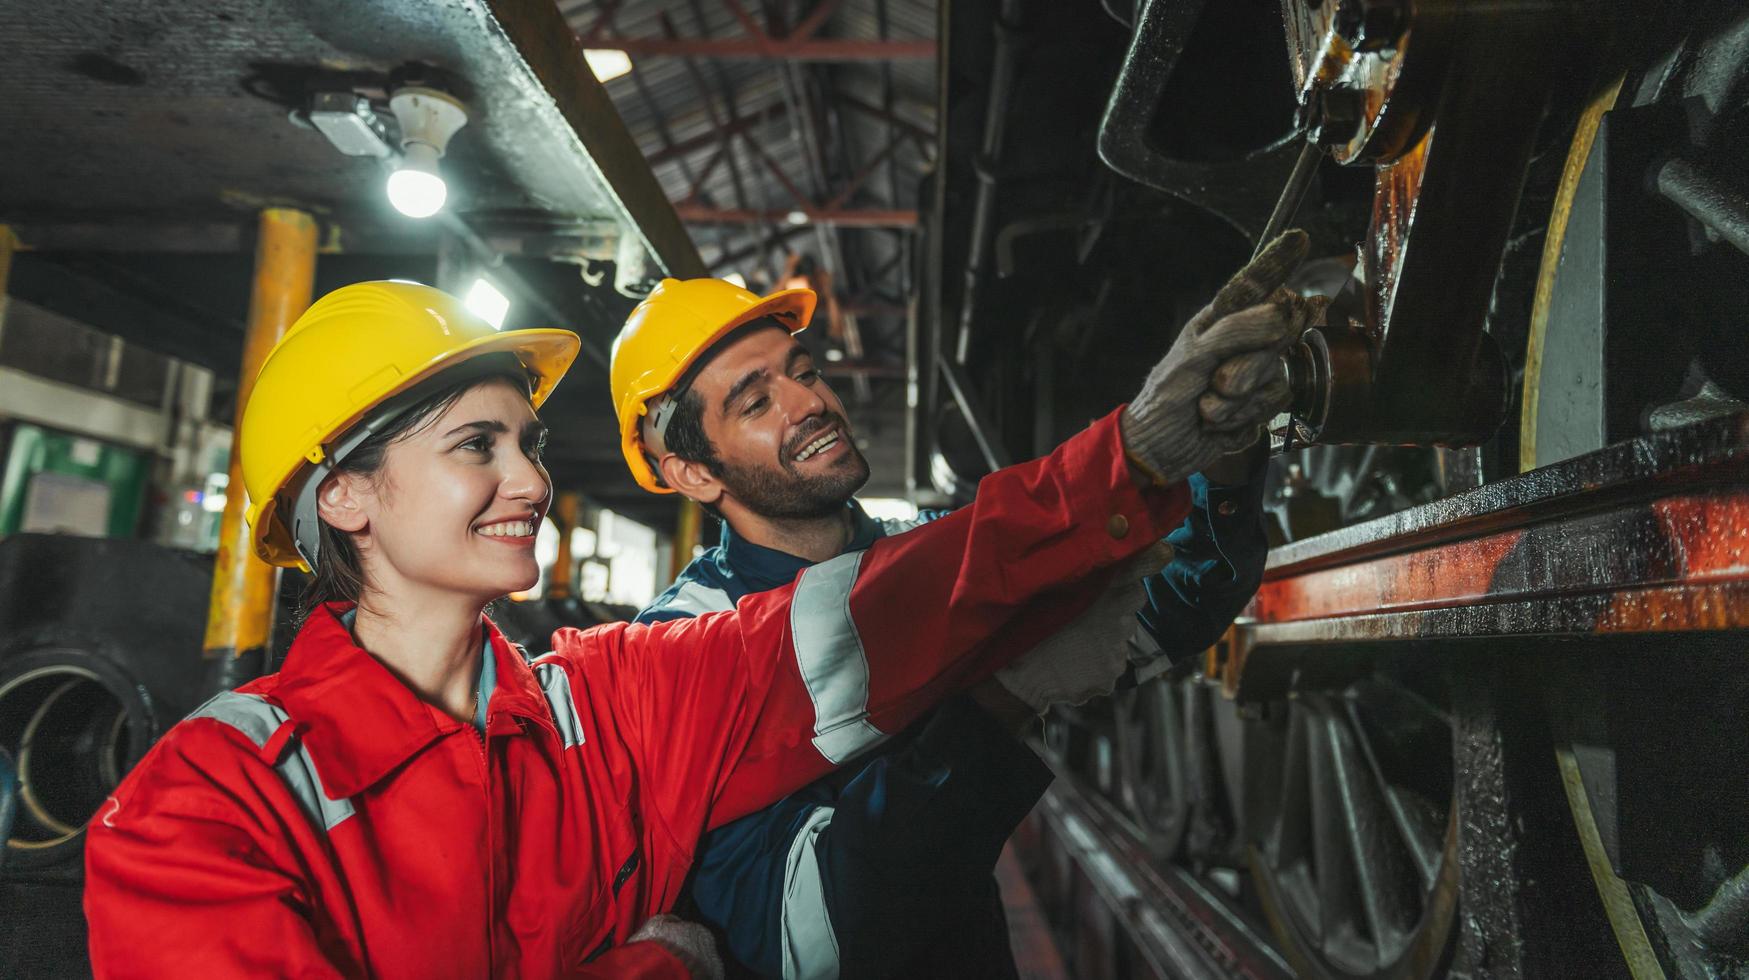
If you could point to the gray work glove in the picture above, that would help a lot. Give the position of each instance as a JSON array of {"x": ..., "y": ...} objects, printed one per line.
[
  {"x": 690, "y": 943},
  {"x": 1084, "y": 659},
  {"x": 1223, "y": 377}
]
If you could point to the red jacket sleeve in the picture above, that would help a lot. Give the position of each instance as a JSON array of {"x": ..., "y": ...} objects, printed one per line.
[
  {"x": 729, "y": 712},
  {"x": 636, "y": 961},
  {"x": 201, "y": 884}
]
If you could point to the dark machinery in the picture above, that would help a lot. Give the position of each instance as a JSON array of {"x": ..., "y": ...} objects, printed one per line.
[{"x": 1482, "y": 719}]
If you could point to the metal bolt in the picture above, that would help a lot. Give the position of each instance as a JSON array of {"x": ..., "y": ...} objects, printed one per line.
[{"x": 1337, "y": 115}]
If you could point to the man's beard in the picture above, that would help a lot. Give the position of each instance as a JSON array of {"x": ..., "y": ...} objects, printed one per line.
[{"x": 786, "y": 493}]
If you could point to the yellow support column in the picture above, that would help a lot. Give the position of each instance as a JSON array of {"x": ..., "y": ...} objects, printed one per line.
[
  {"x": 686, "y": 535},
  {"x": 240, "y": 616},
  {"x": 8, "y": 245},
  {"x": 567, "y": 508}
]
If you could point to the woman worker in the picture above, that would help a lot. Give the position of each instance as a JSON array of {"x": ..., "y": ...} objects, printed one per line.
[{"x": 408, "y": 796}]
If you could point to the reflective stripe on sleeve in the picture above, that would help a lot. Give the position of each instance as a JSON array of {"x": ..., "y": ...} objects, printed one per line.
[
  {"x": 810, "y": 948},
  {"x": 556, "y": 685},
  {"x": 257, "y": 719},
  {"x": 696, "y": 599},
  {"x": 830, "y": 657}
]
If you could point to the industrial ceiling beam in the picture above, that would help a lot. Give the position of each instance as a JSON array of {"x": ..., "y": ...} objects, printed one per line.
[
  {"x": 767, "y": 48},
  {"x": 717, "y": 136},
  {"x": 698, "y": 214}
]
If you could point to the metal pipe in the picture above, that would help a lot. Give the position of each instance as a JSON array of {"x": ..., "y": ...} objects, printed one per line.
[
  {"x": 240, "y": 615},
  {"x": 1704, "y": 197},
  {"x": 983, "y": 431},
  {"x": 988, "y": 163},
  {"x": 1299, "y": 180}
]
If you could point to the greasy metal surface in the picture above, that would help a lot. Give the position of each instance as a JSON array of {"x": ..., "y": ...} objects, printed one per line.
[
  {"x": 240, "y": 615},
  {"x": 1709, "y": 453},
  {"x": 1708, "y": 199},
  {"x": 1369, "y": 98},
  {"x": 1647, "y": 536},
  {"x": 560, "y": 96},
  {"x": 1162, "y": 29},
  {"x": 107, "y": 100},
  {"x": 1179, "y": 928},
  {"x": 1448, "y": 105}
]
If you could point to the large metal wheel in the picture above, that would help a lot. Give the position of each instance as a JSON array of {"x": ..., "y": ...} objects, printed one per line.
[
  {"x": 1152, "y": 769},
  {"x": 1660, "y": 806},
  {"x": 1355, "y": 853}
]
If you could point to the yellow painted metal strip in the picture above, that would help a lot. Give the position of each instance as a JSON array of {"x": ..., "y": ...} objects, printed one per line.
[
  {"x": 1624, "y": 918},
  {"x": 1584, "y": 135}
]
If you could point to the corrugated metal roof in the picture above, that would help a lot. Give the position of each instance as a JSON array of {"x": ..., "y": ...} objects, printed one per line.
[{"x": 675, "y": 101}]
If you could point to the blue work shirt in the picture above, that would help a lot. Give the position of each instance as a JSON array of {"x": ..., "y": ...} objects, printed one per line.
[{"x": 753, "y": 879}]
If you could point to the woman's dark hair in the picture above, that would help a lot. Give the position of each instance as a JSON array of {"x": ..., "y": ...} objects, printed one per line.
[{"x": 338, "y": 576}]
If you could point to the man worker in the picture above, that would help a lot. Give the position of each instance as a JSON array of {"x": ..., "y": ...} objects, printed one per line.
[{"x": 884, "y": 868}]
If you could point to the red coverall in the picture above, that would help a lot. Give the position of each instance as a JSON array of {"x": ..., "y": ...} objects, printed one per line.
[{"x": 324, "y": 821}]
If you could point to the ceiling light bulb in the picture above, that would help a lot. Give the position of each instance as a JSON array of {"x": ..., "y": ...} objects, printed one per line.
[
  {"x": 428, "y": 119},
  {"x": 488, "y": 303},
  {"x": 737, "y": 279},
  {"x": 417, "y": 189}
]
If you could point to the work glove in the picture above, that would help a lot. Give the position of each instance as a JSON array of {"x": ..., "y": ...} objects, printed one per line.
[
  {"x": 1223, "y": 378},
  {"x": 1084, "y": 659},
  {"x": 690, "y": 943}
]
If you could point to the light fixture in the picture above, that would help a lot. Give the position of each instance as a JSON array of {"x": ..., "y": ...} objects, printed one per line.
[
  {"x": 428, "y": 119},
  {"x": 796, "y": 217},
  {"x": 606, "y": 63},
  {"x": 487, "y": 302},
  {"x": 349, "y": 122},
  {"x": 737, "y": 279},
  {"x": 834, "y": 354}
]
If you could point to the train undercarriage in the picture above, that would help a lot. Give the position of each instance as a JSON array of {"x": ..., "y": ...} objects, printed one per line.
[{"x": 1483, "y": 717}]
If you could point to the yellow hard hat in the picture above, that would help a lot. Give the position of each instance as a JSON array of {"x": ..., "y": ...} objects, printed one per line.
[
  {"x": 667, "y": 332},
  {"x": 350, "y": 352}
]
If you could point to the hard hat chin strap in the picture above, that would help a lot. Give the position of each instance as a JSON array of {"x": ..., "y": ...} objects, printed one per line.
[{"x": 306, "y": 521}]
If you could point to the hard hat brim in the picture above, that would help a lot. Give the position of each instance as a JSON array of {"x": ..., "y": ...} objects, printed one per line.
[{"x": 547, "y": 354}]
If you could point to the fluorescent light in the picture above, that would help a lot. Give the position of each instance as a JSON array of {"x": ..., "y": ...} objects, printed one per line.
[
  {"x": 737, "y": 279},
  {"x": 488, "y": 303},
  {"x": 607, "y": 64}
]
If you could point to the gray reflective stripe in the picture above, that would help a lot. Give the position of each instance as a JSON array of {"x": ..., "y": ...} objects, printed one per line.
[
  {"x": 810, "y": 949},
  {"x": 556, "y": 685},
  {"x": 697, "y": 599},
  {"x": 258, "y": 720},
  {"x": 892, "y": 526},
  {"x": 299, "y": 772},
  {"x": 830, "y": 657}
]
